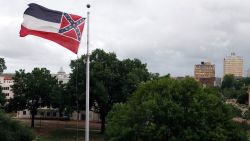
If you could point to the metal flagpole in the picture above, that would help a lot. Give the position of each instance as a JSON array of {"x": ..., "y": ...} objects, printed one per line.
[{"x": 87, "y": 82}]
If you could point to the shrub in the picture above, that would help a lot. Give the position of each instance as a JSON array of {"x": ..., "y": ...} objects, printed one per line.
[{"x": 12, "y": 130}]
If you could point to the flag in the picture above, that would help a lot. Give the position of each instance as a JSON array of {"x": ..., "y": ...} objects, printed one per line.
[{"x": 62, "y": 28}]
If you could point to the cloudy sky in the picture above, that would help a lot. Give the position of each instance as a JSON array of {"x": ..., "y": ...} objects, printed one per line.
[{"x": 171, "y": 36}]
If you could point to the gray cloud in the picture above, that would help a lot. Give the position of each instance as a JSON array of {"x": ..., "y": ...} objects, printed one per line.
[{"x": 170, "y": 36}]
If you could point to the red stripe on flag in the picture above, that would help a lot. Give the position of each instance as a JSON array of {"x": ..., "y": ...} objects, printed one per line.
[{"x": 66, "y": 42}]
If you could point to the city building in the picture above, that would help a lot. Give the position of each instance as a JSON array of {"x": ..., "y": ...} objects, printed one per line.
[
  {"x": 6, "y": 82},
  {"x": 62, "y": 76},
  {"x": 205, "y": 73},
  {"x": 233, "y": 65}
]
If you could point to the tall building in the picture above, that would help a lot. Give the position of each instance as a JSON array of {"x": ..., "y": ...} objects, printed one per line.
[
  {"x": 233, "y": 65},
  {"x": 205, "y": 73}
]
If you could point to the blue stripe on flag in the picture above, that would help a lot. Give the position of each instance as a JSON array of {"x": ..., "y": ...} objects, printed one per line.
[{"x": 43, "y": 13}]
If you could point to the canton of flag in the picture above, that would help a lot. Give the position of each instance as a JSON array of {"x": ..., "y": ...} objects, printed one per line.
[{"x": 62, "y": 28}]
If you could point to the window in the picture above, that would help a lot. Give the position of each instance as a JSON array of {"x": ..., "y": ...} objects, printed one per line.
[
  {"x": 54, "y": 114},
  {"x": 48, "y": 114},
  {"x": 6, "y": 88},
  {"x": 24, "y": 112}
]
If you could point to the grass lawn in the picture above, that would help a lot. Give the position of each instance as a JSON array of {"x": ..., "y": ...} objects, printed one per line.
[
  {"x": 67, "y": 135},
  {"x": 52, "y": 130}
]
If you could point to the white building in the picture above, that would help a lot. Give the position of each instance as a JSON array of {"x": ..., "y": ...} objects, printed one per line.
[
  {"x": 6, "y": 82},
  {"x": 233, "y": 65},
  {"x": 62, "y": 76}
]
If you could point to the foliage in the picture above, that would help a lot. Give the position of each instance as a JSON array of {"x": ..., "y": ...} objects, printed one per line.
[
  {"x": 230, "y": 93},
  {"x": 235, "y": 112},
  {"x": 112, "y": 80},
  {"x": 229, "y": 81},
  {"x": 32, "y": 90},
  {"x": 235, "y": 88},
  {"x": 247, "y": 114},
  {"x": 2, "y": 98},
  {"x": 168, "y": 109},
  {"x": 2, "y": 68},
  {"x": 59, "y": 97},
  {"x": 243, "y": 98},
  {"x": 2, "y": 65},
  {"x": 13, "y": 131}
]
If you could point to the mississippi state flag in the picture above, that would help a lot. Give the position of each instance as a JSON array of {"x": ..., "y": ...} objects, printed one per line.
[{"x": 62, "y": 28}]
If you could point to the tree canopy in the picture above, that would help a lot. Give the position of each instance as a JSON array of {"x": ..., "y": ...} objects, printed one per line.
[
  {"x": 228, "y": 82},
  {"x": 2, "y": 68},
  {"x": 111, "y": 80},
  {"x": 167, "y": 109},
  {"x": 236, "y": 88},
  {"x": 59, "y": 98},
  {"x": 32, "y": 90},
  {"x": 2, "y": 65},
  {"x": 2, "y": 98}
]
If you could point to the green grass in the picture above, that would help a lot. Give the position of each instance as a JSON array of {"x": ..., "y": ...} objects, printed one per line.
[
  {"x": 45, "y": 138},
  {"x": 68, "y": 135}
]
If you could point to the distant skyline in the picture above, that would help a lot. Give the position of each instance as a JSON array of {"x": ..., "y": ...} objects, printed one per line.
[{"x": 170, "y": 36}]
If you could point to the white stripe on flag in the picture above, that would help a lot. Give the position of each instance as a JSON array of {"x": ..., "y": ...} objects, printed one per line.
[{"x": 33, "y": 23}]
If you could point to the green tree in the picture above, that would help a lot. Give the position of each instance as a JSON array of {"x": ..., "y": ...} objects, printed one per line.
[
  {"x": 32, "y": 90},
  {"x": 59, "y": 97},
  {"x": 236, "y": 112},
  {"x": 111, "y": 80},
  {"x": 230, "y": 93},
  {"x": 75, "y": 88},
  {"x": 2, "y": 65},
  {"x": 246, "y": 81},
  {"x": 235, "y": 88},
  {"x": 246, "y": 115},
  {"x": 2, "y": 98},
  {"x": 167, "y": 109},
  {"x": 2, "y": 68},
  {"x": 243, "y": 97},
  {"x": 228, "y": 82}
]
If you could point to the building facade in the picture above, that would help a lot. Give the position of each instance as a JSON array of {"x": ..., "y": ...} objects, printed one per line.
[
  {"x": 205, "y": 73},
  {"x": 62, "y": 76},
  {"x": 6, "y": 82},
  {"x": 233, "y": 65}
]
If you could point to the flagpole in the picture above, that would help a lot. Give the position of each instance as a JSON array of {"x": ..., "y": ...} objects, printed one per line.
[{"x": 87, "y": 82}]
